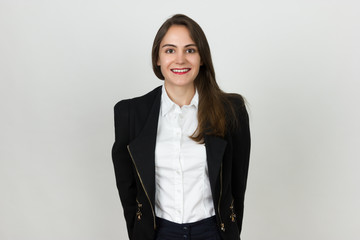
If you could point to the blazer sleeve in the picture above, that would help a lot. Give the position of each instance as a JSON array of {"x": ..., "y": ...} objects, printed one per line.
[
  {"x": 123, "y": 166},
  {"x": 241, "y": 154}
]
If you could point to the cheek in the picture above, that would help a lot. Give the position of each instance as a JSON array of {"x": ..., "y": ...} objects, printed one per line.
[
  {"x": 164, "y": 70},
  {"x": 197, "y": 62},
  {"x": 163, "y": 61}
]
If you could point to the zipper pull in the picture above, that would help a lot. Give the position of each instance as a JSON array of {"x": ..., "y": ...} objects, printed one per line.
[
  {"x": 138, "y": 213},
  {"x": 222, "y": 227},
  {"x": 232, "y": 215}
]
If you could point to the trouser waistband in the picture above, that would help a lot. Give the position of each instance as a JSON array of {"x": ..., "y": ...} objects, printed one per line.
[{"x": 203, "y": 229}]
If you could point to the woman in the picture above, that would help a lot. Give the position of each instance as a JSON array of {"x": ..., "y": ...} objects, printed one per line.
[{"x": 181, "y": 152}]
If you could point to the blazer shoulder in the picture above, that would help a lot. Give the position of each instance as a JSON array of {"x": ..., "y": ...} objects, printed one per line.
[
  {"x": 238, "y": 110},
  {"x": 140, "y": 101},
  {"x": 236, "y": 99},
  {"x": 238, "y": 103}
]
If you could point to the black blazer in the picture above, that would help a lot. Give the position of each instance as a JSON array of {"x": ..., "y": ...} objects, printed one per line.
[{"x": 133, "y": 156}]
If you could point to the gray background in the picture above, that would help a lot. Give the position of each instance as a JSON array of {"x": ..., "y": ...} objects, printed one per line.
[{"x": 64, "y": 64}]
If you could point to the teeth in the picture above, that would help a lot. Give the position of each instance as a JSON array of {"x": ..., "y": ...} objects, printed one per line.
[{"x": 180, "y": 70}]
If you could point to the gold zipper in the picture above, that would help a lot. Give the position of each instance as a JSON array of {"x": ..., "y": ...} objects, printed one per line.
[
  {"x": 232, "y": 215},
  {"x": 138, "y": 213},
  {"x": 142, "y": 184},
  {"x": 222, "y": 225}
]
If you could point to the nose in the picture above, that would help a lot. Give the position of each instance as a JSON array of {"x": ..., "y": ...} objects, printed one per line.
[{"x": 180, "y": 58}]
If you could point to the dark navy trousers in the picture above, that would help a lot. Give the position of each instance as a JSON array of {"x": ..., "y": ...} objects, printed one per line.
[{"x": 202, "y": 230}]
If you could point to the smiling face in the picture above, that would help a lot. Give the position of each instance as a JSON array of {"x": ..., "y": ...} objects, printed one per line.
[{"x": 179, "y": 59}]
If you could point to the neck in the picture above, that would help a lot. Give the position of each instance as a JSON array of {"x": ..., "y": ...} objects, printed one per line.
[{"x": 180, "y": 95}]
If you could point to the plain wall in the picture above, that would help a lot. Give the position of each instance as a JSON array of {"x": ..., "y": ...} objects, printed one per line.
[{"x": 65, "y": 63}]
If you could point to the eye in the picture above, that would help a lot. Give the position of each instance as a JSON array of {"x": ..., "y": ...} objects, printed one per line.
[
  {"x": 170, "y": 50},
  {"x": 191, "y": 50}
]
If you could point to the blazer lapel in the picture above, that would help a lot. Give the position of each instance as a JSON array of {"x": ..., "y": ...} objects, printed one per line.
[
  {"x": 142, "y": 149},
  {"x": 215, "y": 148}
]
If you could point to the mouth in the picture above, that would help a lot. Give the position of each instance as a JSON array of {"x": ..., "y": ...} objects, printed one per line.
[{"x": 180, "y": 71}]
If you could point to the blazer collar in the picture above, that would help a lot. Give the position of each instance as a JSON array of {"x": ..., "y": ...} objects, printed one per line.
[{"x": 215, "y": 149}]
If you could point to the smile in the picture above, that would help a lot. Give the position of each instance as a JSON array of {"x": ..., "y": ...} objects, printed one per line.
[{"x": 180, "y": 70}]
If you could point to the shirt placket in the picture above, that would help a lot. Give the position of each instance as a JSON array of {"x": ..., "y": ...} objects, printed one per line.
[{"x": 177, "y": 166}]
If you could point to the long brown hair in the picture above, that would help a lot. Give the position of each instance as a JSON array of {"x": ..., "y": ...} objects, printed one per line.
[{"x": 212, "y": 100}]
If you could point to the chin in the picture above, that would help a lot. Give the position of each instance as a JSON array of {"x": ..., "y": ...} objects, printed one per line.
[{"x": 181, "y": 83}]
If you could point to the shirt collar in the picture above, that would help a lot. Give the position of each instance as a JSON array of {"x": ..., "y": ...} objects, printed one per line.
[{"x": 167, "y": 104}]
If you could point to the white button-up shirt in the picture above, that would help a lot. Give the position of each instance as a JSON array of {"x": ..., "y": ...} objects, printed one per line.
[{"x": 183, "y": 193}]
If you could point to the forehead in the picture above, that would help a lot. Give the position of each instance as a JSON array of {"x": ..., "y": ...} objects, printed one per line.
[{"x": 177, "y": 34}]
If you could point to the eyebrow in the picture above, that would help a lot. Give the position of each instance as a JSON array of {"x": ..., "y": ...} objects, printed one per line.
[{"x": 172, "y": 45}]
